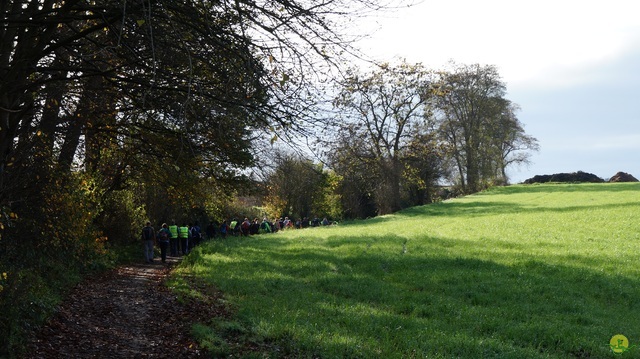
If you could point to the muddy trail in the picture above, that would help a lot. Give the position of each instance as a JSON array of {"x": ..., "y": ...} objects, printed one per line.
[{"x": 124, "y": 313}]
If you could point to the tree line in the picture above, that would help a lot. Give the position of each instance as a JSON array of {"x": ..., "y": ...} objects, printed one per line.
[{"x": 399, "y": 133}]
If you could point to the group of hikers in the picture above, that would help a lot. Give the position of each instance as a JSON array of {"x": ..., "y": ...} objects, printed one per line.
[
  {"x": 180, "y": 240},
  {"x": 247, "y": 227},
  {"x": 177, "y": 240}
]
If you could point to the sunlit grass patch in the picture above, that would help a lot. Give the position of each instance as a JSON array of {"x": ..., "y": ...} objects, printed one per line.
[{"x": 546, "y": 271}]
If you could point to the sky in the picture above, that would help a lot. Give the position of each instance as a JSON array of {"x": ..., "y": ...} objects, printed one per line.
[{"x": 573, "y": 67}]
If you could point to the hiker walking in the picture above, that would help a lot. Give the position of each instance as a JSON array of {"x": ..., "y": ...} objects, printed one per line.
[
  {"x": 148, "y": 240},
  {"x": 163, "y": 241},
  {"x": 224, "y": 228},
  {"x": 196, "y": 235},
  {"x": 255, "y": 227},
  {"x": 265, "y": 226},
  {"x": 244, "y": 227},
  {"x": 234, "y": 227},
  {"x": 183, "y": 233},
  {"x": 173, "y": 239}
]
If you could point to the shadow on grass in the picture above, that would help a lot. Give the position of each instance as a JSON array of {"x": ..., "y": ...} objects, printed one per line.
[{"x": 373, "y": 297}]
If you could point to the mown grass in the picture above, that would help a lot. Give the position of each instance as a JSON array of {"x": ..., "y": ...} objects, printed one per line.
[{"x": 540, "y": 271}]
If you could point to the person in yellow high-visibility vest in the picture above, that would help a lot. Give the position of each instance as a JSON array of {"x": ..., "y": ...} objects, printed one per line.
[
  {"x": 183, "y": 233},
  {"x": 232, "y": 226},
  {"x": 173, "y": 239}
]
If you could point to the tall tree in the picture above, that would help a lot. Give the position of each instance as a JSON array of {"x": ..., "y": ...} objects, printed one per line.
[
  {"x": 385, "y": 109},
  {"x": 479, "y": 124},
  {"x": 513, "y": 146}
]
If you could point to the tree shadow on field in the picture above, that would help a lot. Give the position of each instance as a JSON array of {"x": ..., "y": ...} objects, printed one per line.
[{"x": 393, "y": 297}]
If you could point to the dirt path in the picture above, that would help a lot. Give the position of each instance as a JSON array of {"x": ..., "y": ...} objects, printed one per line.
[{"x": 125, "y": 313}]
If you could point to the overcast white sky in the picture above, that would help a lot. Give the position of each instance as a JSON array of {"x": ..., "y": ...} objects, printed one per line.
[{"x": 572, "y": 66}]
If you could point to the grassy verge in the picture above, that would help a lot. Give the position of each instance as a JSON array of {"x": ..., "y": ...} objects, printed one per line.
[{"x": 543, "y": 271}]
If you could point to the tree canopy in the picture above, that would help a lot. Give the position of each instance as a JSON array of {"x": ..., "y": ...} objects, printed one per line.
[
  {"x": 403, "y": 128},
  {"x": 382, "y": 113},
  {"x": 480, "y": 125}
]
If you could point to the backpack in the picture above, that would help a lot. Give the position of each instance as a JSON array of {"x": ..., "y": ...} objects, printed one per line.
[
  {"x": 265, "y": 227},
  {"x": 164, "y": 236},
  {"x": 147, "y": 233}
]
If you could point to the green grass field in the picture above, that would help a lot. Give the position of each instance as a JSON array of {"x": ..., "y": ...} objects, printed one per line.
[{"x": 538, "y": 271}]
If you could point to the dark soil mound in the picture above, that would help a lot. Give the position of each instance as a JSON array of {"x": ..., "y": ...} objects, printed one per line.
[
  {"x": 565, "y": 177},
  {"x": 622, "y": 177}
]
